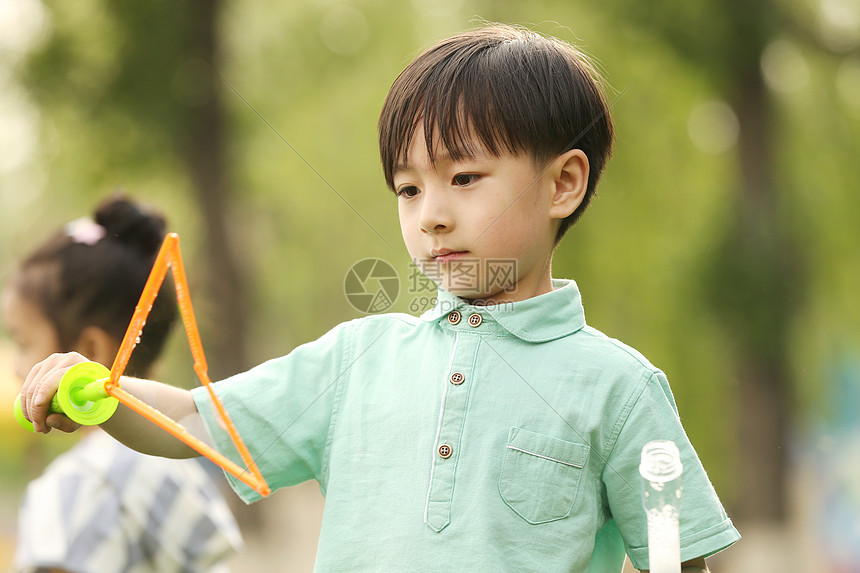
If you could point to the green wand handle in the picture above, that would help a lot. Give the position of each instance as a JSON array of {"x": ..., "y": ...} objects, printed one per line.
[{"x": 81, "y": 396}]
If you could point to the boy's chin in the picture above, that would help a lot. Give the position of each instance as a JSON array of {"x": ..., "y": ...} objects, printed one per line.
[
  {"x": 467, "y": 294},
  {"x": 475, "y": 297}
]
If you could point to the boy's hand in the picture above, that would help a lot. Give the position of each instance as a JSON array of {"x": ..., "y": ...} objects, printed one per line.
[{"x": 40, "y": 386}]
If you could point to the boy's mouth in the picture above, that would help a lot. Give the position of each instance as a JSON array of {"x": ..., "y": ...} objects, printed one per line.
[{"x": 445, "y": 255}]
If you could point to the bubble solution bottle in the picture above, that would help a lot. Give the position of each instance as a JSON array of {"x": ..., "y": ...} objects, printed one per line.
[{"x": 661, "y": 495}]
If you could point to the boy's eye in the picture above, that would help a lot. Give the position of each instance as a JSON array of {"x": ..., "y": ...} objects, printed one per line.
[
  {"x": 464, "y": 179},
  {"x": 407, "y": 191}
]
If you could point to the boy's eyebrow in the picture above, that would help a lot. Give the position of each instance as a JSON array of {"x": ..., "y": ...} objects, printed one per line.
[{"x": 440, "y": 156}]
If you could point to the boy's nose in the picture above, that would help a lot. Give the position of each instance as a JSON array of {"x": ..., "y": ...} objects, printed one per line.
[
  {"x": 435, "y": 216},
  {"x": 433, "y": 229}
]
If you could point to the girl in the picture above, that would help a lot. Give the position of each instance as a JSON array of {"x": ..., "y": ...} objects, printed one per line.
[{"x": 102, "y": 507}]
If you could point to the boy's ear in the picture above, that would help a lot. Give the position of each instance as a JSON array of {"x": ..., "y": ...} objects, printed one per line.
[
  {"x": 96, "y": 344},
  {"x": 569, "y": 173}
]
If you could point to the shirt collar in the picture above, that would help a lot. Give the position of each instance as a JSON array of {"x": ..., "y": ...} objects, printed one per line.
[{"x": 538, "y": 319}]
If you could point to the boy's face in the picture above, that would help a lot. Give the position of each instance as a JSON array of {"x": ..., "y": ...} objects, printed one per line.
[{"x": 483, "y": 227}]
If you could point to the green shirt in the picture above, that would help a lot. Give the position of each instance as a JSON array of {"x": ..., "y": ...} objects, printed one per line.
[{"x": 470, "y": 439}]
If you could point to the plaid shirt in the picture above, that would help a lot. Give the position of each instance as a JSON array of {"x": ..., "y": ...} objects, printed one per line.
[{"x": 103, "y": 508}]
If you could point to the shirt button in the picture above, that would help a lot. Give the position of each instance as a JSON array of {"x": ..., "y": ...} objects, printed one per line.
[
  {"x": 475, "y": 320},
  {"x": 457, "y": 378},
  {"x": 454, "y": 317},
  {"x": 445, "y": 451}
]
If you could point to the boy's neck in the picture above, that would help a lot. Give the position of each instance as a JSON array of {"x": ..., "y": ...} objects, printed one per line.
[{"x": 524, "y": 289}]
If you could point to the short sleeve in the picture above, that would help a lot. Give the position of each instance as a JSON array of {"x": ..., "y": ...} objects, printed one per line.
[
  {"x": 704, "y": 525},
  {"x": 282, "y": 410}
]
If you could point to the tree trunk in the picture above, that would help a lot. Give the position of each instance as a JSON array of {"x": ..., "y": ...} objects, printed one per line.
[
  {"x": 210, "y": 180},
  {"x": 765, "y": 278}
]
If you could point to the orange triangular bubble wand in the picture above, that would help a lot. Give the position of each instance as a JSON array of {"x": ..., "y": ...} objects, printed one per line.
[{"x": 170, "y": 257}]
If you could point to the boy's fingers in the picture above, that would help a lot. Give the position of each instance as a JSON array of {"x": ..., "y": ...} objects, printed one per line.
[
  {"x": 60, "y": 422},
  {"x": 28, "y": 390},
  {"x": 41, "y": 385},
  {"x": 39, "y": 401}
]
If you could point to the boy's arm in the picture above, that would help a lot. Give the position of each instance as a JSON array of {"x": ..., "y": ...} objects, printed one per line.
[
  {"x": 125, "y": 425},
  {"x": 692, "y": 566},
  {"x": 140, "y": 434}
]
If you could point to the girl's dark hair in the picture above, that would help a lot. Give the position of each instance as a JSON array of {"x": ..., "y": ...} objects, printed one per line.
[
  {"x": 505, "y": 88},
  {"x": 92, "y": 273}
]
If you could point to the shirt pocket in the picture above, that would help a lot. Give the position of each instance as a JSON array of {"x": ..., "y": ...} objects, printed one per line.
[{"x": 541, "y": 475}]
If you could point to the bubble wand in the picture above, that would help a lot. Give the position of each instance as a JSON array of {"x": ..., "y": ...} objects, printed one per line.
[
  {"x": 89, "y": 393},
  {"x": 661, "y": 471}
]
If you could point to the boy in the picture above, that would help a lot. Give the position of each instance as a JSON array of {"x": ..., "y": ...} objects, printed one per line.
[{"x": 497, "y": 432}]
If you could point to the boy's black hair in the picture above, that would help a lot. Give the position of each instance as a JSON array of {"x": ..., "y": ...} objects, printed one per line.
[{"x": 507, "y": 89}]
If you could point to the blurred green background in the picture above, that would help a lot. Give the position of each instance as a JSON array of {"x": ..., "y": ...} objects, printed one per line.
[{"x": 724, "y": 243}]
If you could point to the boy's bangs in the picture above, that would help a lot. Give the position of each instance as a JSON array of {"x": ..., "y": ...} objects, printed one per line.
[
  {"x": 464, "y": 122},
  {"x": 459, "y": 108},
  {"x": 453, "y": 124}
]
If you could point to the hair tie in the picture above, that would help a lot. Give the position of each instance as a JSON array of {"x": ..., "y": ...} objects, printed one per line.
[{"x": 85, "y": 231}]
